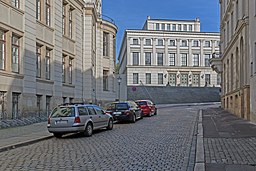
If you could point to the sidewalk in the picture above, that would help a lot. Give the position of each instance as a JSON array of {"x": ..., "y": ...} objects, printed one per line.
[
  {"x": 229, "y": 142},
  {"x": 23, "y": 135}
]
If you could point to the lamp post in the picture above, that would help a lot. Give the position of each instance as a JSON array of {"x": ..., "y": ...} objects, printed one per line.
[{"x": 119, "y": 83}]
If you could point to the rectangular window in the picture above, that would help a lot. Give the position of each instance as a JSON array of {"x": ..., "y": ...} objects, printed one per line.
[
  {"x": 48, "y": 12},
  {"x": 160, "y": 78},
  {"x": 184, "y": 80},
  {"x": 174, "y": 27},
  {"x": 190, "y": 27},
  {"x": 135, "y": 41},
  {"x": 179, "y": 27},
  {"x": 185, "y": 27},
  {"x": 2, "y": 50},
  {"x": 39, "y": 104},
  {"x": 157, "y": 26},
  {"x": 70, "y": 23},
  {"x": 16, "y": 3},
  {"x": 168, "y": 27},
  {"x": 15, "y": 105},
  {"x": 207, "y": 59},
  {"x": 47, "y": 64},
  {"x": 148, "y": 78},
  {"x": 195, "y": 59},
  {"x": 105, "y": 80},
  {"x": 135, "y": 58},
  {"x": 38, "y": 10},
  {"x": 105, "y": 44},
  {"x": 135, "y": 78},
  {"x": 172, "y": 79},
  {"x": 163, "y": 26},
  {"x": 184, "y": 43},
  {"x": 38, "y": 61},
  {"x": 15, "y": 53},
  {"x": 2, "y": 104},
  {"x": 70, "y": 70},
  {"x": 148, "y": 42},
  {"x": 207, "y": 79},
  {"x": 183, "y": 59},
  {"x": 160, "y": 58},
  {"x": 172, "y": 59},
  {"x": 172, "y": 43},
  {"x": 160, "y": 42},
  {"x": 196, "y": 80},
  {"x": 63, "y": 19},
  {"x": 48, "y": 105},
  {"x": 148, "y": 58},
  {"x": 63, "y": 68},
  {"x": 195, "y": 43},
  {"x": 207, "y": 44}
]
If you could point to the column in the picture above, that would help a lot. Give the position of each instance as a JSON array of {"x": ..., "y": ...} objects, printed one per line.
[
  {"x": 177, "y": 57},
  {"x": 166, "y": 59},
  {"x": 154, "y": 62},
  {"x": 190, "y": 55},
  {"x": 202, "y": 53},
  {"x": 142, "y": 56}
]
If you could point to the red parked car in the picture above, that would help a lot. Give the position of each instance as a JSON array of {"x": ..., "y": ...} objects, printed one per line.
[{"x": 148, "y": 107}]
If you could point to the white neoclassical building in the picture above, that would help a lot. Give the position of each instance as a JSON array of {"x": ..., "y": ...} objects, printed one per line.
[
  {"x": 54, "y": 52},
  {"x": 169, "y": 52}
]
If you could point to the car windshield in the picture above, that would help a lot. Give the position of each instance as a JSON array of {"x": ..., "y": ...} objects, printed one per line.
[
  {"x": 117, "y": 106},
  {"x": 63, "y": 112},
  {"x": 141, "y": 103},
  {"x": 122, "y": 106}
]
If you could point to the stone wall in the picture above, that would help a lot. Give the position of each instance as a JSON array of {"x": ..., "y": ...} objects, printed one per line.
[{"x": 171, "y": 95}]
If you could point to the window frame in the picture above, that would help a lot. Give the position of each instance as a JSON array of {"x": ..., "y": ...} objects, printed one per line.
[
  {"x": 48, "y": 64},
  {"x": 148, "y": 78},
  {"x": 172, "y": 56},
  {"x": 3, "y": 51},
  {"x": 48, "y": 12},
  {"x": 135, "y": 58},
  {"x": 38, "y": 61},
  {"x": 135, "y": 78},
  {"x": 148, "y": 62},
  {"x": 15, "y": 58}
]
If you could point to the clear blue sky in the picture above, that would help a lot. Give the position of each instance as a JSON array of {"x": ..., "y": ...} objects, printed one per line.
[{"x": 131, "y": 14}]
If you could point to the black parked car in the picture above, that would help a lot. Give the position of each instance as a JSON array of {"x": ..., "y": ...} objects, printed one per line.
[{"x": 124, "y": 111}]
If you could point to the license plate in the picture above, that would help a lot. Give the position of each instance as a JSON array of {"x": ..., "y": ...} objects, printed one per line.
[
  {"x": 62, "y": 121},
  {"x": 117, "y": 113}
]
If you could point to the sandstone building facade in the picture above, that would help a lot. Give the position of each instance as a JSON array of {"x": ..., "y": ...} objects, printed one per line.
[{"x": 54, "y": 52}]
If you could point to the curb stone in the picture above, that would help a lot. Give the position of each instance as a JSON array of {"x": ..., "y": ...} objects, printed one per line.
[{"x": 200, "y": 161}]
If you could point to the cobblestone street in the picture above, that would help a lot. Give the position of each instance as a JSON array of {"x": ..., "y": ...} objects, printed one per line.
[{"x": 162, "y": 142}]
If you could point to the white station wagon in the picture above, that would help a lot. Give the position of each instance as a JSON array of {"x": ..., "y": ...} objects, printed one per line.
[{"x": 78, "y": 118}]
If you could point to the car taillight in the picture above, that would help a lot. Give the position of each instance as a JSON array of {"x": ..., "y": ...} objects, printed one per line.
[
  {"x": 49, "y": 121},
  {"x": 77, "y": 119},
  {"x": 127, "y": 112}
]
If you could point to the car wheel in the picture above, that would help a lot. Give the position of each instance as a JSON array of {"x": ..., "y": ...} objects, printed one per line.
[
  {"x": 155, "y": 112},
  {"x": 133, "y": 120},
  {"x": 57, "y": 135},
  {"x": 88, "y": 130},
  {"x": 141, "y": 115},
  {"x": 110, "y": 124}
]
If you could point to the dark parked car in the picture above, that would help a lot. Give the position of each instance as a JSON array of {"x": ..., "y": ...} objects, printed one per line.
[
  {"x": 148, "y": 107},
  {"x": 75, "y": 118},
  {"x": 124, "y": 111}
]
